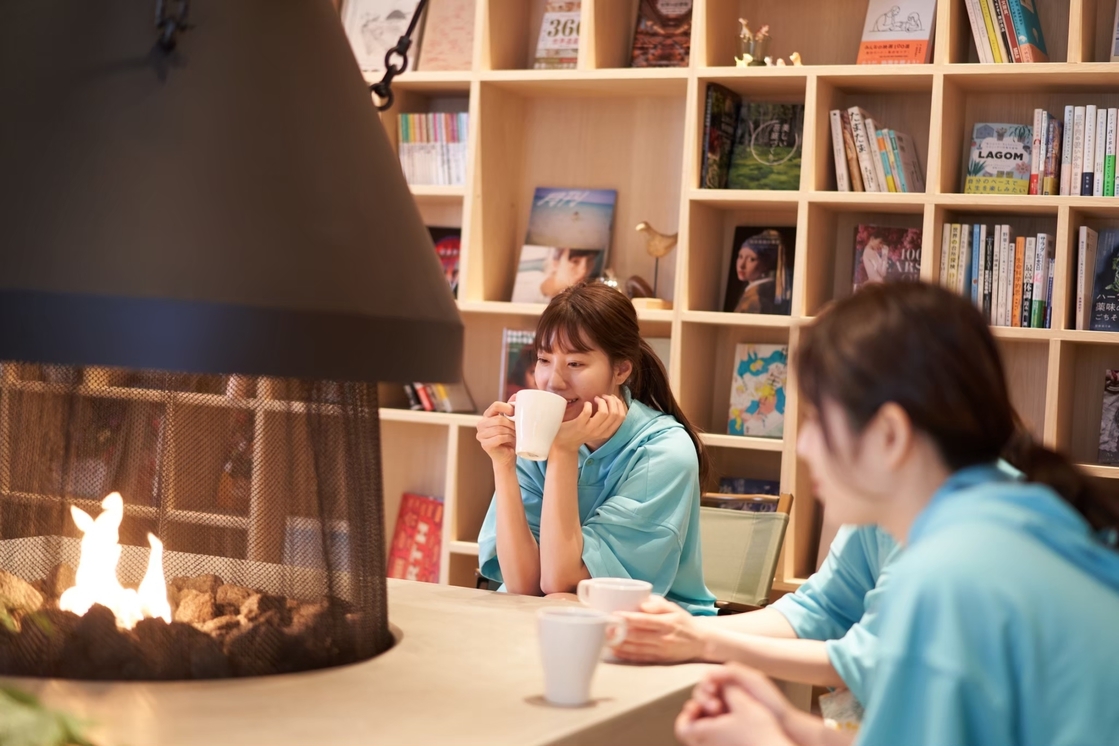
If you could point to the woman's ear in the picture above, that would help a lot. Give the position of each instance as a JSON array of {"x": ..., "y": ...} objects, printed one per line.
[
  {"x": 622, "y": 372},
  {"x": 893, "y": 432}
]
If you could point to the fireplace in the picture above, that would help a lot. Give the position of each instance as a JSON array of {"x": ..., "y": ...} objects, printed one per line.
[{"x": 264, "y": 494}]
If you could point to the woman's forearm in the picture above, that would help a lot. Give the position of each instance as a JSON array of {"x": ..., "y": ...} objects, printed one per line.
[
  {"x": 561, "y": 534},
  {"x": 517, "y": 551},
  {"x": 767, "y": 622},
  {"x": 804, "y": 661}
]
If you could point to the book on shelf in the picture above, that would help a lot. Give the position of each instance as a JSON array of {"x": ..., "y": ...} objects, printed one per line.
[
  {"x": 898, "y": 32},
  {"x": 1115, "y": 36},
  {"x": 1104, "y": 300},
  {"x": 663, "y": 36},
  {"x": 767, "y": 146},
  {"x": 417, "y": 539},
  {"x": 1006, "y": 31},
  {"x": 374, "y": 26},
  {"x": 448, "y": 36},
  {"x": 448, "y": 245},
  {"x": 1007, "y": 277},
  {"x": 757, "y": 390},
  {"x": 720, "y": 121},
  {"x": 748, "y": 486},
  {"x": 567, "y": 242},
  {"x": 760, "y": 276},
  {"x": 439, "y": 397},
  {"x": 886, "y": 254},
  {"x": 873, "y": 158},
  {"x": 518, "y": 362},
  {"x": 432, "y": 147},
  {"x": 1108, "y": 454},
  {"x": 557, "y": 46},
  {"x": 999, "y": 159}
]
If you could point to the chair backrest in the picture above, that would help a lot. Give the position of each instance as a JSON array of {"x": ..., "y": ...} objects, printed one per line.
[{"x": 740, "y": 550}]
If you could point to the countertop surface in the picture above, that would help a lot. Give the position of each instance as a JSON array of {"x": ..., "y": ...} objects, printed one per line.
[{"x": 465, "y": 670}]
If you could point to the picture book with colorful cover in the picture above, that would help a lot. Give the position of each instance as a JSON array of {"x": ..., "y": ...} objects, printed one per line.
[
  {"x": 557, "y": 47},
  {"x": 663, "y": 37},
  {"x": 760, "y": 278},
  {"x": 886, "y": 254},
  {"x": 1109, "y": 420},
  {"x": 747, "y": 486},
  {"x": 898, "y": 32},
  {"x": 448, "y": 242},
  {"x": 374, "y": 26},
  {"x": 720, "y": 120},
  {"x": 999, "y": 160},
  {"x": 1105, "y": 284},
  {"x": 757, "y": 390},
  {"x": 417, "y": 539},
  {"x": 518, "y": 362},
  {"x": 567, "y": 242},
  {"x": 767, "y": 146},
  {"x": 448, "y": 36}
]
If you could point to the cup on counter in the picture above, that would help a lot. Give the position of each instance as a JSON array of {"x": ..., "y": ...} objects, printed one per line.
[
  {"x": 610, "y": 595},
  {"x": 571, "y": 640},
  {"x": 537, "y": 416}
]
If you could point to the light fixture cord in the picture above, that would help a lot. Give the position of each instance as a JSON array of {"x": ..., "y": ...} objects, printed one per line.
[
  {"x": 169, "y": 23},
  {"x": 383, "y": 88}
]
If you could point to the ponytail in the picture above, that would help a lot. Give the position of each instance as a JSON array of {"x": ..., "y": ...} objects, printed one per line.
[
  {"x": 649, "y": 385},
  {"x": 1044, "y": 466}
]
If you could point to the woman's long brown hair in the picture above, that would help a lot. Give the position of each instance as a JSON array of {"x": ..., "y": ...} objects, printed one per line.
[
  {"x": 596, "y": 315},
  {"x": 931, "y": 352}
]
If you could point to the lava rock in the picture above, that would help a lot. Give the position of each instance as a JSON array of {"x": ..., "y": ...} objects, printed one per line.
[
  {"x": 220, "y": 627},
  {"x": 259, "y": 604},
  {"x": 256, "y": 650},
  {"x": 201, "y": 583},
  {"x": 96, "y": 649},
  {"x": 194, "y": 607},
  {"x": 16, "y": 594},
  {"x": 230, "y": 598}
]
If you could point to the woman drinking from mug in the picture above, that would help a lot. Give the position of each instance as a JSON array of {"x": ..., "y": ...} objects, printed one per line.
[
  {"x": 998, "y": 626},
  {"x": 618, "y": 495}
]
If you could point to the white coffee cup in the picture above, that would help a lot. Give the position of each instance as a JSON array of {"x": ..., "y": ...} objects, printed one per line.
[
  {"x": 571, "y": 639},
  {"x": 613, "y": 594},
  {"x": 537, "y": 416}
]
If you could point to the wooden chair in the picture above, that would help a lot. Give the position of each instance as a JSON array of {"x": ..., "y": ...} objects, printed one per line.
[{"x": 740, "y": 550}]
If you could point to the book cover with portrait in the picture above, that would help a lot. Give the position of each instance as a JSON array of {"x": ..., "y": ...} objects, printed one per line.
[
  {"x": 567, "y": 242},
  {"x": 760, "y": 276},
  {"x": 886, "y": 254},
  {"x": 518, "y": 362},
  {"x": 757, "y": 390}
]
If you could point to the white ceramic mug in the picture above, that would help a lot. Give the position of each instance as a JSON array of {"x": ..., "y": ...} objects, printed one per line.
[
  {"x": 537, "y": 416},
  {"x": 613, "y": 594},
  {"x": 571, "y": 639}
]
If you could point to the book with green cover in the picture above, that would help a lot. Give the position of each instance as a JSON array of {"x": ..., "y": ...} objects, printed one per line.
[
  {"x": 767, "y": 146},
  {"x": 999, "y": 162}
]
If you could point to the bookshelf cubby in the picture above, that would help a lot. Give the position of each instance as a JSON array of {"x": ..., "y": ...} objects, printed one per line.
[{"x": 639, "y": 131}]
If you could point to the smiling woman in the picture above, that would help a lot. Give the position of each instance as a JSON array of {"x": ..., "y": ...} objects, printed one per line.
[{"x": 618, "y": 495}]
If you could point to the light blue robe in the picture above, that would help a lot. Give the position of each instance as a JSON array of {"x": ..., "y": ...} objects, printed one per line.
[
  {"x": 1001, "y": 625},
  {"x": 638, "y": 506}
]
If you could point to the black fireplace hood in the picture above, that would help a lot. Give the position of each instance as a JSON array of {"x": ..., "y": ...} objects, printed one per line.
[{"x": 230, "y": 206}]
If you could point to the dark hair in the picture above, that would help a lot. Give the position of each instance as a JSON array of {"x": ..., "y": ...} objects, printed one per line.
[
  {"x": 596, "y": 315},
  {"x": 929, "y": 351}
]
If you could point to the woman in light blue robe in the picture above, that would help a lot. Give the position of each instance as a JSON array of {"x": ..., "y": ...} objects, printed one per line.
[{"x": 618, "y": 495}]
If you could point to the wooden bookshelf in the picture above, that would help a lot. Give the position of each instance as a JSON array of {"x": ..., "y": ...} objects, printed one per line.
[{"x": 603, "y": 125}]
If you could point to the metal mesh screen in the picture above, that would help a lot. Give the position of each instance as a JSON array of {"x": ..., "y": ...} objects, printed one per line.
[{"x": 266, "y": 494}]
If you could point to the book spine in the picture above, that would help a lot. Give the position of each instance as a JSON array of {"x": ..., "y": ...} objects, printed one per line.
[
  {"x": 1089, "y": 280},
  {"x": 1035, "y": 154},
  {"x": 895, "y": 161},
  {"x": 1109, "y": 155},
  {"x": 1066, "y": 150},
  {"x": 1100, "y": 152},
  {"x": 977, "y": 265},
  {"x": 1041, "y": 265},
  {"x": 1088, "y": 157},
  {"x": 979, "y": 31},
  {"x": 839, "y": 154},
  {"x": 945, "y": 252},
  {"x": 1006, "y": 29},
  {"x": 1115, "y": 36},
  {"x": 1049, "y": 294},
  {"x": 1050, "y": 184},
  {"x": 1078, "y": 117},
  {"x": 953, "y": 257},
  {"x": 875, "y": 155},
  {"x": 425, "y": 398},
  {"x": 1028, "y": 262},
  {"x": 1016, "y": 282},
  {"x": 884, "y": 156},
  {"x": 413, "y": 400},
  {"x": 998, "y": 46},
  {"x": 988, "y": 271},
  {"x": 1006, "y": 273},
  {"x": 862, "y": 149},
  {"x": 999, "y": 279},
  {"x": 1027, "y": 30},
  {"x": 853, "y": 169},
  {"x": 963, "y": 272},
  {"x": 1082, "y": 276}
]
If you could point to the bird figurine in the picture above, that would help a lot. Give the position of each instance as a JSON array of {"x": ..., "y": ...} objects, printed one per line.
[{"x": 657, "y": 244}]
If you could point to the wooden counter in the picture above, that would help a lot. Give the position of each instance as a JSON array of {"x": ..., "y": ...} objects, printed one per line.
[{"x": 466, "y": 670}]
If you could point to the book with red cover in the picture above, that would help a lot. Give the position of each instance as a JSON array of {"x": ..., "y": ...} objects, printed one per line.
[{"x": 417, "y": 539}]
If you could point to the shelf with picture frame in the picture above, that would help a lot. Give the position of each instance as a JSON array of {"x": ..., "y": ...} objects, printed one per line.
[{"x": 604, "y": 125}]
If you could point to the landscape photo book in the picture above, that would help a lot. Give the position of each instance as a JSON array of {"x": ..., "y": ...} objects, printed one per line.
[{"x": 767, "y": 146}]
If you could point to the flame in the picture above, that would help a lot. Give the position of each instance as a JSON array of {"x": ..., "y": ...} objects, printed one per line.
[{"x": 96, "y": 577}]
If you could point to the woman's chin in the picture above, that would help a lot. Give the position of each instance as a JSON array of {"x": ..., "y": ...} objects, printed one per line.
[{"x": 574, "y": 409}]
